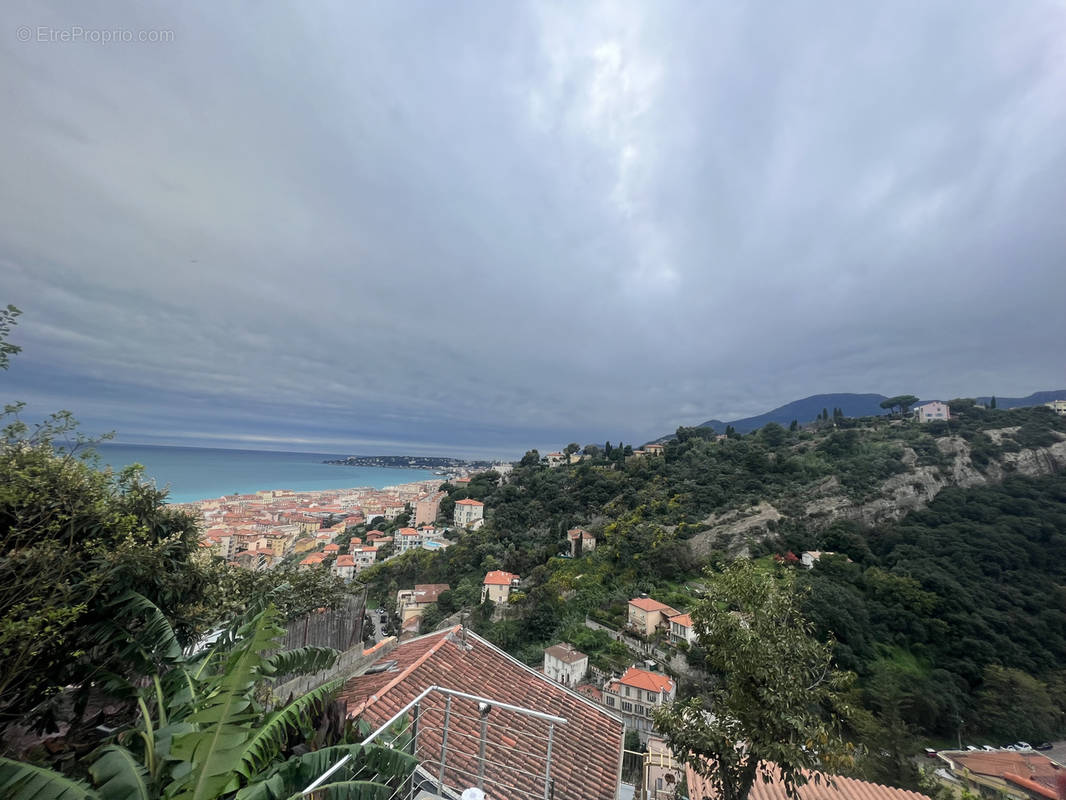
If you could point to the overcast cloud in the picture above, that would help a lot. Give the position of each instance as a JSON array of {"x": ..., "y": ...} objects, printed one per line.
[{"x": 481, "y": 227}]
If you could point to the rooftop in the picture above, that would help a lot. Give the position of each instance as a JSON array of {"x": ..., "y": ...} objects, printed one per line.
[
  {"x": 647, "y": 604},
  {"x": 699, "y": 788},
  {"x": 586, "y": 754},
  {"x": 565, "y": 652},
  {"x": 499, "y": 578},
  {"x": 468, "y": 502},
  {"x": 642, "y": 679}
]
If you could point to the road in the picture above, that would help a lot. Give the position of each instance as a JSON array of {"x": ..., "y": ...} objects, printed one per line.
[{"x": 376, "y": 620}]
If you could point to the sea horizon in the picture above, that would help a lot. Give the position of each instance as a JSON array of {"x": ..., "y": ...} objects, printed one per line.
[{"x": 192, "y": 473}]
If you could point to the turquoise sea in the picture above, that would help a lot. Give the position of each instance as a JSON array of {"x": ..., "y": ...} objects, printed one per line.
[{"x": 200, "y": 473}]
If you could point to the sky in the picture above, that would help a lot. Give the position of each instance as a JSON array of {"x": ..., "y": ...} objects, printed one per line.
[{"x": 472, "y": 228}]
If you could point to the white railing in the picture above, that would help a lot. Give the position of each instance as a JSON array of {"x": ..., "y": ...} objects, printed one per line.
[{"x": 463, "y": 741}]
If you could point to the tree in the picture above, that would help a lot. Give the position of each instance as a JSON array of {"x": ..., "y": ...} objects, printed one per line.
[
  {"x": 993, "y": 403},
  {"x": 7, "y": 322},
  {"x": 793, "y": 426},
  {"x": 202, "y": 732},
  {"x": 530, "y": 459},
  {"x": 572, "y": 448},
  {"x": 775, "y": 700}
]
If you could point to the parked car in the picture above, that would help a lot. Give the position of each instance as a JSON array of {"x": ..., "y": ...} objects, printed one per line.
[
  {"x": 1044, "y": 746},
  {"x": 1023, "y": 745},
  {"x": 971, "y": 747},
  {"x": 930, "y": 752},
  {"x": 988, "y": 747}
]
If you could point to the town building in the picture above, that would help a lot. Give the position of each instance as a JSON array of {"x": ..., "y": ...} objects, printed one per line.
[
  {"x": 427, "y": 508},
  {"x": 928, "y": 412},
  {"x": 344, "y": 567},
  {"x": 365, "y": 556},
  {"x": 681, "y": 629},
  {"x": 586, "y": 539},
  {"x": 555, "y": 459},
  {"x": 645, "y": 615},
  {"x": 412, "y": 602},
  {"x": 498, "y": 586},
  {"x": 583, "y": 761},
  {"x": 408, "y": 539},
  {"x": 467, "y": 512},
  {"x": 636, "y": 695},
  {"x": 565, "y": 664}
]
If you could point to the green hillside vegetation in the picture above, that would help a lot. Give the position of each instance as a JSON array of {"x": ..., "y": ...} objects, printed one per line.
[{"x": 953, "y": 619}]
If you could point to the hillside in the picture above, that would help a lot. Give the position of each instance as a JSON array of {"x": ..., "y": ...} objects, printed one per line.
[
  {"x": 959, "y": 524},
  {"x": 853, "y": 405}
]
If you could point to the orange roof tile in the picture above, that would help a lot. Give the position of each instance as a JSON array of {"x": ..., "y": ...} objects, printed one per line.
[
  {"x": 699, "y": 788},
  {"x": 586, "y": 753},
  {"x": 469, "y": 502},
  {"x": 682, "y": 619},
  {"x": 648, "y": 681},
  {"x": 647, "y": 604},
  {"x": 499, "y": 578}
]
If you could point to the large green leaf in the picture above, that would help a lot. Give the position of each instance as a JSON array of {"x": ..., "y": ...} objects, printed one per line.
[
  {"x": 120, "y": 776},
  {"x": 299, "y": 771},
  {"x": 301, "y": 661},
  {"x": 350, "y": 790},
  {"x": 263, "y": 748},
  {"x": 224, "y": 716},
  {"x": 19, "y": 781}
]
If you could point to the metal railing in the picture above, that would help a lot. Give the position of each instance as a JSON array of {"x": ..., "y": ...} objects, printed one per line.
[{"x": 462, "y": 740}]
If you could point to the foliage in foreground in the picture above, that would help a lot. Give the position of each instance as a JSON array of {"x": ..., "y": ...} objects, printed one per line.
[
  {"x": 774, "y": 689},
  {"x": 203, "y": 731}
]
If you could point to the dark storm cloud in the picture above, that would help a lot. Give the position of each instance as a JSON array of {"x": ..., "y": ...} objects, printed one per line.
[{"x": 483, "y": 227}]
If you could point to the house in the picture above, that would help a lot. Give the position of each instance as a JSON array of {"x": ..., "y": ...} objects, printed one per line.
[
  {"x": 391, "y": 512},
  {"x": 645, "y": 615},
  {"x": 555, "y": 459},
  {"x": 654, "y": 449},
  {"x": 312, "y": 560},
  {"x": 681, "y": 629},
  {"x": 810, "y": 557},
  {"x": 331, "y": 549},
  {"x": 585, "y": 756},
  {"x": 497, "y": 586},
  {"x": 408, "y": 539},
  {"x": 636, "y": 695},
  {"x": 816, "y": 788},
  {"x": 565, "y": 664},
  {"x": 1017, "y": 775},
  {"x": 412, "y": 602},
  {"x": 344, "y": 567},
  {"x": 587, "y": 540},
  {"x": 927, "y": 412},
  {"x": 467, "y": 512},
  {"x": 365, "y": 556},
  {"x": 662, "y": 772},
  {"x": 427, "y": 508},
  {"x": 1058, "y": 406}
]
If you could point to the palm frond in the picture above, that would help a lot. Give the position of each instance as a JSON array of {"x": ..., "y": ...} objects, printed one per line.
[
  {"x": 264, "y": 747},
  {"x": 19, "y": 781},
  {"x": 350, "y": 790},
  {"x": 301, "y": 661},
  {"x": 119, "y": 776},
  {"x": 223, "y": 716}
]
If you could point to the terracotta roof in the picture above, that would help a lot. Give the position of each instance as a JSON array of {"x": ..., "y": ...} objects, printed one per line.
[
  {"x": 642, "y": 679},
  {"x": 586, "y": 751},
  {"x": 468, "y": 502},
  {"x": 699, "y": 788},
  {"x": 429, "y": 592},
  {"x": 647, "y": 604},
  {"x": 573, "y": 533},
  {"x": 682, "y": 619},
  {"x": 565, "y": 652},
  {"x": 1030, "y": 765},
  {"x": 345, "y": 561},
  {"x": 1031, "y": 785},
  {"x": 499, "y": 578}
]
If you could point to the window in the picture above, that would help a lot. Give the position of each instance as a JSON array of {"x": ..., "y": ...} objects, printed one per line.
[
  {"x": 627, "y": 691},
  {"x": 610, "y": 701},
  {"x": 627, "y": 706}
]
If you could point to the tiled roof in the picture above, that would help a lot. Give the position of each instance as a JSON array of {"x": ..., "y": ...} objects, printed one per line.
[
  {"x": 647, "y": 604},
  {"x": 345, "y": 561},
  {"x": 682, "y": 619},
  {"x": 565, "y": 652},
  {"x": 499, "y": 578},
  {"x": 699, "y": 788},
  {"x": 586, "y": 751},
  {"x": 642, "y": 679},
  {"x": 468, "y": 502},
  {"x": 429, "y": 592},
  {"x": 1033, "y": 766}
]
